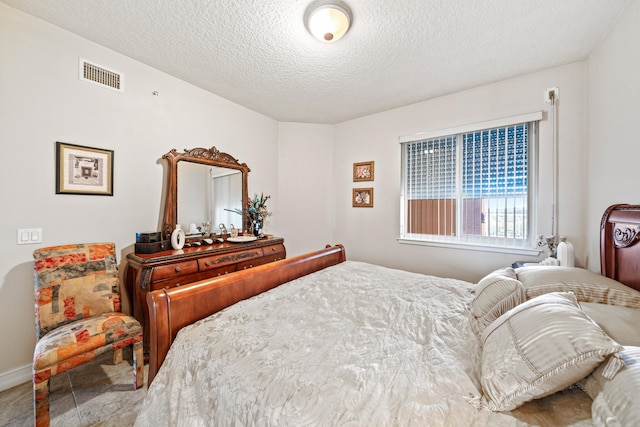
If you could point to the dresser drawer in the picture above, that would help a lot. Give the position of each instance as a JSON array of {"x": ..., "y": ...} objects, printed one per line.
[
  {"x": 186, "y": 279},
  {"x": 173, "y": 270},
  {"x": 170, "y": 283},
  {"x": 274, "y": 252},
  {"x": 270, "y": 254},
  {"x": 218, "y": 261}
]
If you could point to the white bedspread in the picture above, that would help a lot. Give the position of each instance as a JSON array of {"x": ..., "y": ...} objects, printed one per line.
[{"x": 352, "y": 345}]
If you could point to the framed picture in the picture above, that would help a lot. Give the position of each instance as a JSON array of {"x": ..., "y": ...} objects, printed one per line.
[
  {"x": 83, "y": 170},
  {"x": 363, "y": 171},
  {"x": 362, "y": 197}
]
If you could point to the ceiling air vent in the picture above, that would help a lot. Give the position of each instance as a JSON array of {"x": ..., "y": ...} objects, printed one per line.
[{"x": 101, "y": 76}]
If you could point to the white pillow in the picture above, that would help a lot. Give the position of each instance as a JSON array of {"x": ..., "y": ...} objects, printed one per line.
[
  {"x": 538, "y": 348},
  {"x": 620, "y": 323},
  {"x": 615, "y": 401},
  {"x": 587, "y": 285},
  {"x": 495, "y": 294}
]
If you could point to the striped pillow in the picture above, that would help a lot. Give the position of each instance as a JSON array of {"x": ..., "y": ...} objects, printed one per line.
[
  {"x": 615, "y": 401},
  {"x": 538, "y": 348},
  {"x": 587, "y": 285},
  {"x": 495, "y": 294}
]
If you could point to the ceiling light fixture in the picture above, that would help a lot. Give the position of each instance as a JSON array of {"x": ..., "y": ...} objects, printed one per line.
[{"x": 328, "y": 20}]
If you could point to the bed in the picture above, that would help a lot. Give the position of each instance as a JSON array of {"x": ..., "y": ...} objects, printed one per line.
[{"x": 320, "y": 340}]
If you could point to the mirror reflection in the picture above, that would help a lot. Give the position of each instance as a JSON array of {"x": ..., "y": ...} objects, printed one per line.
[{"x": 207, "y": 194}]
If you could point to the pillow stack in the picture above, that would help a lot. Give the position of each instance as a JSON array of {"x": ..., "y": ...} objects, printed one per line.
[{"x": 544, "y": 329}]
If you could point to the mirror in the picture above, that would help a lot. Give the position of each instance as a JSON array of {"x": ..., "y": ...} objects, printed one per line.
[
  {"x": 208, "y": 194},
  {"x": 204, "y": 185}
]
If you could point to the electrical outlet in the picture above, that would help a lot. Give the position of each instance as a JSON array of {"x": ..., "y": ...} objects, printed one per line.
[{"x": 551, "y": 95}]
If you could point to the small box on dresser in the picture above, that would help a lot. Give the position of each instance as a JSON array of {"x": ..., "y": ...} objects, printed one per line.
[{"x": 150, "y": 242}]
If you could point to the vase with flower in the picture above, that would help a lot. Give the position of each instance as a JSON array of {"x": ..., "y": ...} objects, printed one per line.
[{"x": 256, "y": 212}]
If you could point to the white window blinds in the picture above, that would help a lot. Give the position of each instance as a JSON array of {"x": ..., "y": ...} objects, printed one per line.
[{"x": 472, "y": 186}]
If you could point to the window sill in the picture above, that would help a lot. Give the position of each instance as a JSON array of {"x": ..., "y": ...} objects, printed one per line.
[{"x": 472, "y": 247}]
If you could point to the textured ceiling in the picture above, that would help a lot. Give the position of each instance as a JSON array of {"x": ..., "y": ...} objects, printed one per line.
[{"x": 259, "y": 54}]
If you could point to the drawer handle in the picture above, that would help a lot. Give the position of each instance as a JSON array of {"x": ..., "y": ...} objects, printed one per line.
[
  {"x": 208, "y": 263},
  {"x": 178, "y": 269}
]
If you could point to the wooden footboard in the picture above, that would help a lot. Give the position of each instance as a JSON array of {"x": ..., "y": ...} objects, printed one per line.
[{"x": 171, "y": 310}]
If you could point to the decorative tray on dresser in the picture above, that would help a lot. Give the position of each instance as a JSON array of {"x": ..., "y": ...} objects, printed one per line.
[{"x": 168, "y": 269}]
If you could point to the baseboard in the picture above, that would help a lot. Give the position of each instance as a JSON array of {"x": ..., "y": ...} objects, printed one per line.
[{"x": 15, "y": 377}]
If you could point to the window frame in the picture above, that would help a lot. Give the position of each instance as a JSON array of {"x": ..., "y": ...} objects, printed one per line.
[{"x": 488, "y": 244}]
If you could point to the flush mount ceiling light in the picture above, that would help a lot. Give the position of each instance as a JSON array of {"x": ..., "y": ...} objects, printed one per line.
[{"x": 328, "y": 20}]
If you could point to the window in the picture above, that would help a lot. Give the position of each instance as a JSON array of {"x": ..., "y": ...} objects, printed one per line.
[{"x": 471, "y": 186}]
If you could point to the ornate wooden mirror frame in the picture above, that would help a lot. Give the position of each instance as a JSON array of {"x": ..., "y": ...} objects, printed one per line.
[{"x": 212, "y": 157}]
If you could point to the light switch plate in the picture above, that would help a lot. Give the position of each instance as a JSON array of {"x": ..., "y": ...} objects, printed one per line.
[{"x": 29, "y": 236}]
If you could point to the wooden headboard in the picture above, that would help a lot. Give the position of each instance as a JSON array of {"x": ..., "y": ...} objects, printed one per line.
[{"x": 619, "y": 248}]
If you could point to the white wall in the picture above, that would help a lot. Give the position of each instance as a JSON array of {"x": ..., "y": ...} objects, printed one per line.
[
  {"x": 42, "y": 101},
  {"x": 613, "y": 113},
  {"x": 306, "y": 186},
  {"x": 370, "y": 234}
]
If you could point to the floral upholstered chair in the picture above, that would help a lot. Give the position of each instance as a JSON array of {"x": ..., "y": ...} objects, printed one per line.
[{"x": 77, "y": 304}]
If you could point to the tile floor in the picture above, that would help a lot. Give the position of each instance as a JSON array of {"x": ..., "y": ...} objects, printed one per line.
[{"x": 95, "y": 394}]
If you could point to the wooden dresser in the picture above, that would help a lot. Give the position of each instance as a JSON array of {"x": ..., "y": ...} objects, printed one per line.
[{"x": 168, "y": 269}]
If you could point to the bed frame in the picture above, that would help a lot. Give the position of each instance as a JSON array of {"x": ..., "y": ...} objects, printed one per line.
[
  {"x": 619, "y": 251},
  {"x": 170, "y": 310}
]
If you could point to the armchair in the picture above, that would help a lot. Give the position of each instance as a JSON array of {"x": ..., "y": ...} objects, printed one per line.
[{"x": 78, "y": 317}]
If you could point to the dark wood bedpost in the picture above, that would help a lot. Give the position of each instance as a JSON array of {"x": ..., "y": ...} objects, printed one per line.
[{"x": 619, "y": 251}]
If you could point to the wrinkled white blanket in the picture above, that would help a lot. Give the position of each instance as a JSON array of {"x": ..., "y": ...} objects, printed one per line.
[{"x": 352, "y": 345}]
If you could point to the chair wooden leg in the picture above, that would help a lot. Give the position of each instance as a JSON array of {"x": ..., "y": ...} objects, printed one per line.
[
  {"x": 138, "y": 365},
  {"x": 41, "y": 403},
  {"x": 117, "y": 356}
]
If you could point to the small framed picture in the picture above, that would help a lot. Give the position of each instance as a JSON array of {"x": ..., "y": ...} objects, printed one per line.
[
  {"x": 362, "y": 197},
  {"x": 363, "y": 171},
  {"x": 83, "y": 170}
]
